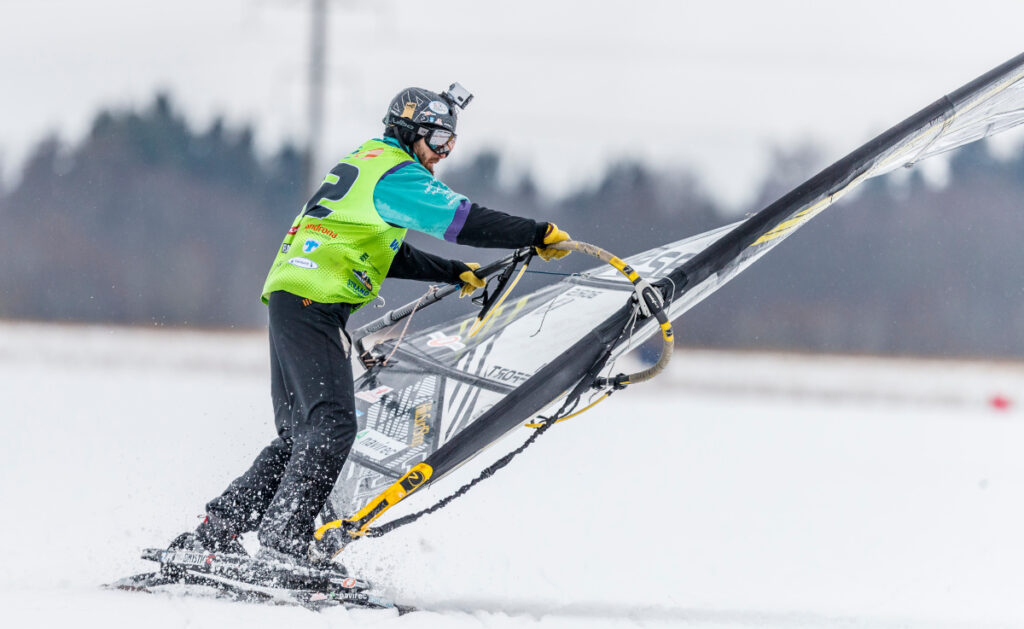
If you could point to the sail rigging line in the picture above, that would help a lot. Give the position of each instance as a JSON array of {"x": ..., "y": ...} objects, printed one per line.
[
  {"x": 535, "y": 272},
  {"x": 649, "y": 300},
  {"x": 489, "y": 471},
  {"x": 392, "y": 317},
  {"x": 378, "y": 531},
  {"x": 551, "y": 303},
  {"x": 489, "y": 300},
  {"x": 408, "y": 320},
  {"x": 373, "y": 362},
  {"x": 566, "y": 411},
  {"x": 486, "y": 313},
  {"x": 543, "y": 318},
  {"x": 599, "y": 383},
  {"x": 604, "y": 396},
  {"x": 631, "y": 326}
]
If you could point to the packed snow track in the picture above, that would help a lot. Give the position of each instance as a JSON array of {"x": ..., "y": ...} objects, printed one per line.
[{"x": 739, "y": 490}]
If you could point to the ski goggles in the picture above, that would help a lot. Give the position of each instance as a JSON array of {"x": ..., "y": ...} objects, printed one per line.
[{"x": 441, "y": 141}]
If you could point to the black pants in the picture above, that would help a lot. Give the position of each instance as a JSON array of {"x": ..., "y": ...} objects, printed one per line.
[{"x": 311, "y": 386}]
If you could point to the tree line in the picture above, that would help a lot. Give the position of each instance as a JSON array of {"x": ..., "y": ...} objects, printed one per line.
[{"x": 147, "y": 221}]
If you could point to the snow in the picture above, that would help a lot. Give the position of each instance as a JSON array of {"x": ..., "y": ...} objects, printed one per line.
[{"x": 739, "y": 490}]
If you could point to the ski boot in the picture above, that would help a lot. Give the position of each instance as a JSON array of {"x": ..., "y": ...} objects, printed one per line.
[{"x": 213, "y": 535}]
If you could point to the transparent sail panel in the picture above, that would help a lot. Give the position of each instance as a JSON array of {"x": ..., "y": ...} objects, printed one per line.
[{"x": 441, "y": 380}]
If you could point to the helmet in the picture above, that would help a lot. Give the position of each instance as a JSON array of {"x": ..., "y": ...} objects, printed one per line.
[{"x": 416, "y": 112}]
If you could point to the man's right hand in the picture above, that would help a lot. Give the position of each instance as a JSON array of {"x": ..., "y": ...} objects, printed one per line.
[
  {"x": 551, "y": 236},
  {"x": 470, "y": 281}
]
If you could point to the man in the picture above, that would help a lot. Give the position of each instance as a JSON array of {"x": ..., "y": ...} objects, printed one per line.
[{"x": 348, "y": 238}]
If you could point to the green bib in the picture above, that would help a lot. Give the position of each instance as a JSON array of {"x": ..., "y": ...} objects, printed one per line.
[{"x": 338, "y": 248}]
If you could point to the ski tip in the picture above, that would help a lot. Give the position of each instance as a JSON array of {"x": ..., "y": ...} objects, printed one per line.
[{"x": 139, "y": 582}]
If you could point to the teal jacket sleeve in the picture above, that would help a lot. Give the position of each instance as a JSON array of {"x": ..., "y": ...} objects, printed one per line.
[{"x": 409, "y": 196}]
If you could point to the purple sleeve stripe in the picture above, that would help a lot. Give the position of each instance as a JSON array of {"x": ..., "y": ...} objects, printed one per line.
[
  {"x": 395, "y": 167},
  {"x": 458, "y": 221}
]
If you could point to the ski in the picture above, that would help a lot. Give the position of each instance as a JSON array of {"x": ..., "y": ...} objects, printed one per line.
[{"x": 254, "y": 580}]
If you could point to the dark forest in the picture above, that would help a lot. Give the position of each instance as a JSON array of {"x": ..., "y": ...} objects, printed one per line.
[{"x": 147, "y": 221}]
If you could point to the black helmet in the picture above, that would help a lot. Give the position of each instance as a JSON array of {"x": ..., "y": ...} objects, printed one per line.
[{"x": 416, "y": 112}]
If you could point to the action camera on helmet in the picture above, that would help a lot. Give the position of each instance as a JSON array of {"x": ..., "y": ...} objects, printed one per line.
[{"x": 457, "y": 96}]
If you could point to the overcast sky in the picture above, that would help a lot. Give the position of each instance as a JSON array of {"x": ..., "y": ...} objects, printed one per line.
[{"x": 561, "y": 87}]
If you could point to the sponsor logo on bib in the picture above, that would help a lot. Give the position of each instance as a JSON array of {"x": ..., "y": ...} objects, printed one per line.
[{"x": 303, "y": 263}]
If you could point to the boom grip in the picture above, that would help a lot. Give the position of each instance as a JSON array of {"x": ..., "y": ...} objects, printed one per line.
[{"x": 649, "y": 300}]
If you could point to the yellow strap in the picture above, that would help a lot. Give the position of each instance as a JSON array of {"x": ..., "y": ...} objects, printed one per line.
[
  {"x": 358, "y": 524},
  {"x": 582, "y": 410},
  {"x": 478, "y": 324},
  {"x": 320, "y": 532}
]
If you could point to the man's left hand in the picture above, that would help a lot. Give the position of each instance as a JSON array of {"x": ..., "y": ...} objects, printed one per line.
[{"x": 470, "y": 282}]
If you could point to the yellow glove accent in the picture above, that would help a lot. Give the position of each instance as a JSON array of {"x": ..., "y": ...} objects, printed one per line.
[
  {"x": 470, "y": 282},
  {"x": 551, "y": 236}
]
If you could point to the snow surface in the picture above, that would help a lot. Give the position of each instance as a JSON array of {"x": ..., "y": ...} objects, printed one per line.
[{"x": 742, "y": 490}]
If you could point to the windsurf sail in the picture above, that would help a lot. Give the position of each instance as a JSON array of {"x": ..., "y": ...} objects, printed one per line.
[{"x": 445, "y": 396}]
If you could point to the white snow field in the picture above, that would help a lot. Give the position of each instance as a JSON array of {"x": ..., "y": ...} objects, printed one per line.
[{"x": 740, "y": 490}]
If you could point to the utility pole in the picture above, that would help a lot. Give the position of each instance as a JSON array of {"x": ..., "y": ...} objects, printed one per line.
[{"x": 317, "y": 56}]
